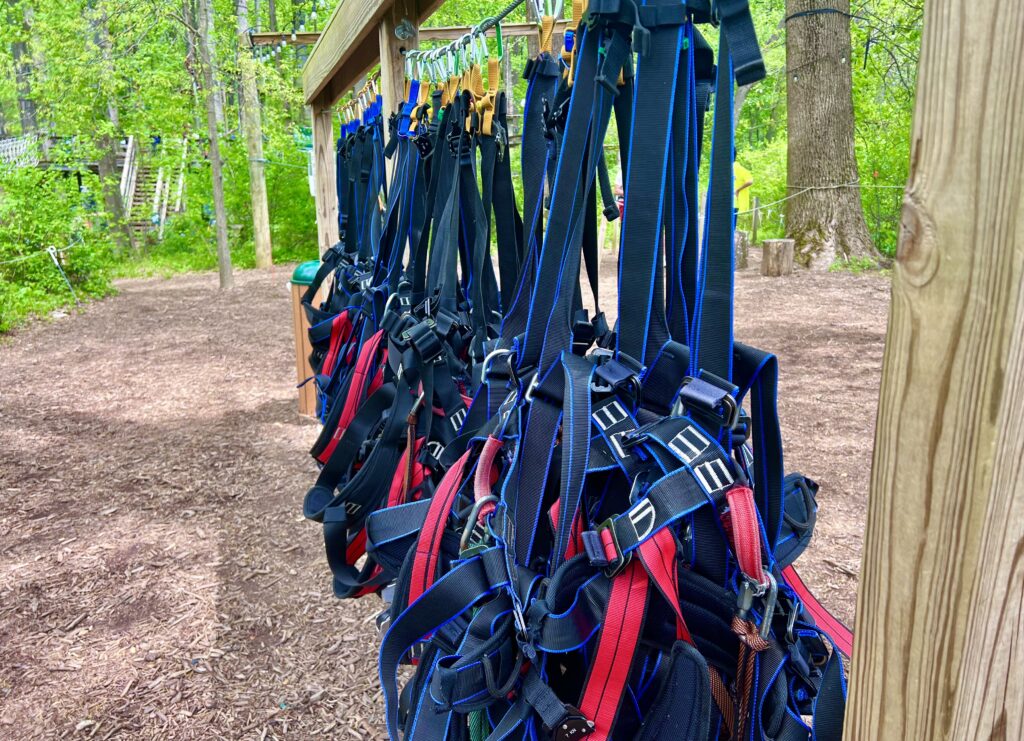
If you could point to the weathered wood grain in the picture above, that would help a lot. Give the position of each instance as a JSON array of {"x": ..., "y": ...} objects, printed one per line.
[
  {"x": 325, "y": 169},
  {"x": 349, "y": 45},
  {"x": 938, "y": 648},
  {"x": 777, "y": 257}
]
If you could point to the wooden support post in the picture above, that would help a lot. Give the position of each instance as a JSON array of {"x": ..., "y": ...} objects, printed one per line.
[
  {"x": 742, "y": 245},
  {"x": 324, "y": 168},
  {"x": 392, "y": 57},
  {"x": 755, "y": 220},
  {"x": 303, "y": 370},
  {"x": 777, "y": 257},
  {"x": 939, "y": 651}
]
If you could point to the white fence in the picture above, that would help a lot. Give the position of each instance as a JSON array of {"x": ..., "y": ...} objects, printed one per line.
[{"x": 22, "y": 151}]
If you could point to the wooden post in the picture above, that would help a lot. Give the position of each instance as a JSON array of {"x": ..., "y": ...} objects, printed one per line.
[
  {"x": 303, "y": 370},
  {"x": 324, "y": 169},
  {"x": 392, "y": 52},
  {"x": 938, "y": 651},
  {"x": 755, "y": 220},
  {"x": 741, "y": 243},
  {"x": 777, "y": 257},
  {"x": 392, "y": 57}
]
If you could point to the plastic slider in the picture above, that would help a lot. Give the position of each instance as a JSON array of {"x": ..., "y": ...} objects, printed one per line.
[{"x": 603, "y": 550}]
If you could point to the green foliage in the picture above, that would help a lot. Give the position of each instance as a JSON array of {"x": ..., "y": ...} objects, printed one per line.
[
  {"x": 41, "y": 209},
  {"x": 886, "y": 37},
  {"x": 103, "y": 69},
  {"x": 855, "y": 265}
]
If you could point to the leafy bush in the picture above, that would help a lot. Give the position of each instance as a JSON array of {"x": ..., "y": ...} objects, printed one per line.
[{"x": 41, "y": 209}]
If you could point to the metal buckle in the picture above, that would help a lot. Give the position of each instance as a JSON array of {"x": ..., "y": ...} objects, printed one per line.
[
  {"x": 534, "y": 382},
  {"x": 471, "y": 523},
  {"x": 489, "y": 360},
  {"x": 573, "y": 726},
  {"x": 751, "y": 589}
]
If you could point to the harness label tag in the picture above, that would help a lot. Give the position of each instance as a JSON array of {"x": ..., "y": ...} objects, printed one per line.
[
  {"x": 689, "y": 444},
  {"x": 642, "y": 517},
  {"x": 610, "y": 415},
  {"x": 457, "y": 418},
  {"x": 713, "y": 475}
]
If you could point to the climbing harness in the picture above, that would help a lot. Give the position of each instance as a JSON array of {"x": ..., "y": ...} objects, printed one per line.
[{"x": 579, "y": 530}]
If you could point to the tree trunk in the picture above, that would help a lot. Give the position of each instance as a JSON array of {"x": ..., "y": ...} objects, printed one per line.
[
  {"x": 938, "y": 650},
  {"x": 109, "y": 145},
  {"x": 211, "y": 42},
  {"x": 23, "y": 77},
  {"x": 214, "y": 113},
  {"x": 249, "y": 106},
  {"x": 824, "y": 215}
]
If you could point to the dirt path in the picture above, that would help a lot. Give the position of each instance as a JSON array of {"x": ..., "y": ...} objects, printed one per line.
[{"x": 156, "y": 578}]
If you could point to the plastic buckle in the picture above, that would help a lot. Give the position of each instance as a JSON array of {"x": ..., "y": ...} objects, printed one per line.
[
  {"x": 728, "y": 411},
  {"x": 613, "y": 568}
]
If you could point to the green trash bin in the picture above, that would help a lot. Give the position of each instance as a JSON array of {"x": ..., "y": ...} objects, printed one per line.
[
  {"x": 302, "y": 277},
  {"x": 303, "y": 274}
]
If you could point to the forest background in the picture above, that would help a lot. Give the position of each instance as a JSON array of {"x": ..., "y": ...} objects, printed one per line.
[{"x": 78, "y": 77}]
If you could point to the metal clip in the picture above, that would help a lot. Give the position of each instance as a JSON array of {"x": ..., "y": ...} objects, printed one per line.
[{"x": 471, "y": 520}]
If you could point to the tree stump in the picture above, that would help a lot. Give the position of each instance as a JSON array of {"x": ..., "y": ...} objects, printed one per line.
[
  {"x": 777, "y": 258},
  {"x": 742, "y": 249}
]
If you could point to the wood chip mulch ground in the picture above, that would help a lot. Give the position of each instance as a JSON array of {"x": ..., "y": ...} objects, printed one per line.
[{"x": 156, "y": 577}]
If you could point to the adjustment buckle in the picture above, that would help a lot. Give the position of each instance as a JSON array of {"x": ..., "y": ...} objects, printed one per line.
[
  {"x": 708, "y": 398},
  {"x": 603, "y": 550}
]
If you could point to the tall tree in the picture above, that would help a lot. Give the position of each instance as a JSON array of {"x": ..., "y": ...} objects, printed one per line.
[
  {"x": 824, "y": 213},
  {"x": 23, "y": 71},
  {"x": 214, "y": 113},
  {"x": 109, "y": 140},
  {"x": 249, "y": 103}
]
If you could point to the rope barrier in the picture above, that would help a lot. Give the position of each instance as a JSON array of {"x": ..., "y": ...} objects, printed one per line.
[
  {"x": 49, "y": 250},
  {"x": 809, "y": 188},
  {"x": 278, "y": 164}
]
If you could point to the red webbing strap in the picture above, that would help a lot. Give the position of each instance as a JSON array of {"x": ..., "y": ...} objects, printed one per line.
[
  {"x": 485, "y": 475},
  {"x": 428, "y": 545},
  {"x": 341, "y": 331},
  {"x": 575, "y": 544},
  {"x": 658, "y": 555},
  {"x": 839, "y": 633},
  {"x": 356, "y": 548},
  {"x": 616, "y": 647},
  {"x": 355, "y": 395},
  {"x": 746, "y": 532}
]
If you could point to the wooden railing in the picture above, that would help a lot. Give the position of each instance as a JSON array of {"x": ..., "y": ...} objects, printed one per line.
[{"x": 129, "y": 174}]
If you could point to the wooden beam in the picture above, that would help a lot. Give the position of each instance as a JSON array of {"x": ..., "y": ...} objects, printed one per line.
[
  {"x": 436, "y": 33},
  {"x": 939, "y": 651},
  {"x": 349, "y": 46},
  {"x": 272, "y": 38},
  {"x": 392, "y": 53},
  {"x": 324, "y": 169},
  {"x": 508, "y": 30}
]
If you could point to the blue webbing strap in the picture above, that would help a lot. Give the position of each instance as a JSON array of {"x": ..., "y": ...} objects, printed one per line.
[
  {"x": 551, "y": 308},
  {"x": 714, "y": 333},
  {"x": 471, "y": 581},
  {"x": 642, "y": 227}
]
